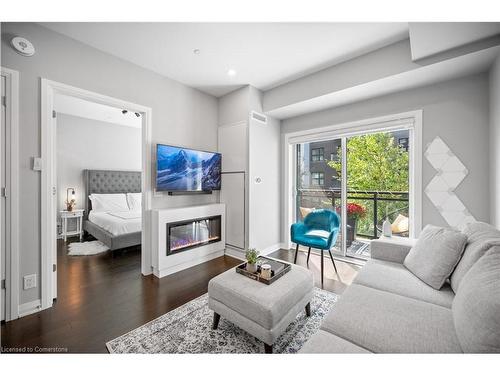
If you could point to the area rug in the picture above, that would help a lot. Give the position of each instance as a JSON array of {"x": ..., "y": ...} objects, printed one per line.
[
  {"x": 188, "y": 329},
  {"x": 86, "y": 248}
]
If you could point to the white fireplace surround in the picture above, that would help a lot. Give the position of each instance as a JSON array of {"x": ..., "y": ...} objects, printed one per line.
[{"x": 164, "y": 265}]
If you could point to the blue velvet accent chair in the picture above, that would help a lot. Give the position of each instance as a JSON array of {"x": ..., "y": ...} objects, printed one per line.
[{"x": 319, "y": 230}]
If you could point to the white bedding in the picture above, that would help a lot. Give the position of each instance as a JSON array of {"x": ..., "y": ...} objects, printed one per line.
[
  {"x": 117, "y": 223},
  {"x": 127, "y": 215}
]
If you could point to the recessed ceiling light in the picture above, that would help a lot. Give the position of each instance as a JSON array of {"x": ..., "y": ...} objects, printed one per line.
[
  {"x": 196, "y": 51},
  {"x": 231, "y": 72}
]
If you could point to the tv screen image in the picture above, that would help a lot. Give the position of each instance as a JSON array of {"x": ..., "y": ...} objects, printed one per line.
[{"x": 183, "y": 169}]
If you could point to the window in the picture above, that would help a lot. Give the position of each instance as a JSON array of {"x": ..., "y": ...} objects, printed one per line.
[
  {"x": 403, "y": 143},
  {"x": 318, "y": 154},
  {"x": 350, "y": 184},
  {"x": 317, "y": 178}
]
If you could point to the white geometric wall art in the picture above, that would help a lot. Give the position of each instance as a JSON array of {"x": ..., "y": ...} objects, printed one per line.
[{"x": 441, "y": 189}]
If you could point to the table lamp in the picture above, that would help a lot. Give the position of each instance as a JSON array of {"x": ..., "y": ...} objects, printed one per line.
[{"x": 70, "y": 200}]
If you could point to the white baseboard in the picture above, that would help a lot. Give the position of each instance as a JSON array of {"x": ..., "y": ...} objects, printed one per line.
[
  {"x": 235, "y": 253},
  {"x": 182, "y": 266},
  {"x": 270, "y": 249},
  {"x": 240, "y": 253},
  {"x": 30, "y": 308}
]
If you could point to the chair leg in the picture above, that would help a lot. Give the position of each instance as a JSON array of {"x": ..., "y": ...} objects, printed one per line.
[
  {"x": 322, "y": 266},
  {"x": 296, "y": 253},
  {"x": 216, "y": 320},
  {"x": 268, "y": 349},
  {"x": 331, "y": 256},
  {"x": 308, "y": 254}
]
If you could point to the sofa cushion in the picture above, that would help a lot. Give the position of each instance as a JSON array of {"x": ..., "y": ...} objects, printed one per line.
[
  {"x": 383, "y": 322},
  {"x": 480, "y": 238},
  {"x": 435, "y": 254},
  {"x": 391, "y": 249},
  {"x": 476, "y": 308},
  {"x": 264, "y": 304},
  {"x": 325, "y": 342},
  {"x": 395, "y": 278}
]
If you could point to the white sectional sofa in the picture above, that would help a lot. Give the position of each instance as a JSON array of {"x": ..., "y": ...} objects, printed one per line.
[{"x": 389, "y": 310}]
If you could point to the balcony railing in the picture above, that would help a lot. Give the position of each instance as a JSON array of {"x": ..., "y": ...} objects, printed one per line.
[{"x": 379, "y": 205}]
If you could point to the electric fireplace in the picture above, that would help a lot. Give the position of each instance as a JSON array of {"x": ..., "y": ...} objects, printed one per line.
[{"x": 188, "y": 234}]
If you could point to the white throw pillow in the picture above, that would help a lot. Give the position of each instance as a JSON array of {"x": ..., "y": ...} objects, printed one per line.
[
  {"x": 435, "y": 254},
  {"x": 109, "y": 202},
  {"x": 134, "y": 201}
]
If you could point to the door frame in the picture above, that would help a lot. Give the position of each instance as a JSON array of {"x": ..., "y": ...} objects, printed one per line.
[
  {"x": 411, "y": 119},
  {"x": 12, "y": 192},
  {"x": 48, "y": 278}
]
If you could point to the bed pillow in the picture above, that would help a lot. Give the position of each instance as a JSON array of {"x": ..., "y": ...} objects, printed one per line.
[
  {"x": 134, "y": 201},
  {"x": 109, "y": 202},
  {"x": 435, "y": 254}
]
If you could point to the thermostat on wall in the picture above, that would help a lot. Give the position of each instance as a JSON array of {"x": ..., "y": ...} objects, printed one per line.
[{"x": 23, "y": 46}]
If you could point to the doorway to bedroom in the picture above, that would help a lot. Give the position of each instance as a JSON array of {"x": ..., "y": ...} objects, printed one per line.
[
  {"x": 93, "y": 178},
  {"x": 98, "y": 198}
]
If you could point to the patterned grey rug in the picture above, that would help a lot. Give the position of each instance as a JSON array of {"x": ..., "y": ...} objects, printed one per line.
[{"x": 188, "y": 329}]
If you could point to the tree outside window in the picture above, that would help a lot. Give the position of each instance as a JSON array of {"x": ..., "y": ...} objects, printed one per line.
[{"x": 376, "y": 162}]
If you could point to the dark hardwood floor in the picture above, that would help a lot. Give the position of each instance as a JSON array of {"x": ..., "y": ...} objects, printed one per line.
[{"x": 101, "y": 297}]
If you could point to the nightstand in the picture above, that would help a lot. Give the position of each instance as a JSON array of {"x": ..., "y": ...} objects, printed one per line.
[{"x": 76, "y": 214}]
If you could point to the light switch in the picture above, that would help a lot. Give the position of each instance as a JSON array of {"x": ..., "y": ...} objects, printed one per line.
[
  {"x": 29, "y": 281},
  {"x": 37, "y": 164}
]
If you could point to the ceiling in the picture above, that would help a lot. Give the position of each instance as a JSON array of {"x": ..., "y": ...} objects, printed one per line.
[
  {"x": 70, "y": 105},
  {"x": 472, "y": 63},
  {"x": 263, "y": 55}
]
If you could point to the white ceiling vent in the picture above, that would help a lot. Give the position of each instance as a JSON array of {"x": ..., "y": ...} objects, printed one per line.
[{"x": 258, "y": 117}]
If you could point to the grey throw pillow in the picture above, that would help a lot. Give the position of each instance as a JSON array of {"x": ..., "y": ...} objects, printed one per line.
[
  {"x": 435, "y": 254},
  {"x": 480, "y": 238},
  {"x": 476, "y": 307}
]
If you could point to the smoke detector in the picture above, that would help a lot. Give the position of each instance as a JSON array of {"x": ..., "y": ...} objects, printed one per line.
[{"x": 23, "y": 46}]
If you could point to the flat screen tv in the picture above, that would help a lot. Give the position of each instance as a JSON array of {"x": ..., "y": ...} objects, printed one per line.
[{"x": 181, "y": 169}]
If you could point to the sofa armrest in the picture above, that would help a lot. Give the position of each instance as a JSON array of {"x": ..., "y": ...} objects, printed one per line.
[{"x": 391, "y": 249}]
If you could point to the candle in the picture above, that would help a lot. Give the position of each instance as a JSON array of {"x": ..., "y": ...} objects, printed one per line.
[{"x": 265, "y": 271}]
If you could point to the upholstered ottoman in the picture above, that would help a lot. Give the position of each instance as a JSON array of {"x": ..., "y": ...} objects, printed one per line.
[{"x": 264, "y": 311}]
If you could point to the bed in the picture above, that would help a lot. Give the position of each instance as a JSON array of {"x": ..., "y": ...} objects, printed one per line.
[{"x": 116, "y": 230}]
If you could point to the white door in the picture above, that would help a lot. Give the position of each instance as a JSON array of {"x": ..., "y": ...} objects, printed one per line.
[
  {"x": 233, "y": 141},
  {"x": 233, "y": 196},
  {"x": 3, "y": 198}
]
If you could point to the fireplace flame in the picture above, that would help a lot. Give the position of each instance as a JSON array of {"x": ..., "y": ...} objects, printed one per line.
[{"x": 183, "y": 243}]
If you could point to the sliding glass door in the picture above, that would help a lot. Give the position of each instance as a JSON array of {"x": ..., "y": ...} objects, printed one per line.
[
  {"x": 318, "y": 183},
  {"x": 377, "y": 188},
  {"x": 371, "y": 171}
]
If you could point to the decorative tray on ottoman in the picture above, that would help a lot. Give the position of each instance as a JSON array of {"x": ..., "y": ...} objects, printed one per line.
[{"x": 278, "y": 269}]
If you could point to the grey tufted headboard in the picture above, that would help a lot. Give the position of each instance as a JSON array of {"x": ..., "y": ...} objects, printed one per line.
[{"x": 109, "y": 182}]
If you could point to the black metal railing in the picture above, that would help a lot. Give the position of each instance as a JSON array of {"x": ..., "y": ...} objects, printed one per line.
[{"x": 332, "y": 198}]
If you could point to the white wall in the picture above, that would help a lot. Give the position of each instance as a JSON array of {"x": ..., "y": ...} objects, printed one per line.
[
  {"x": 180, "y": 115},
  {"x": 233, "y": 107},
  {"x": 263, "y": 199},
  {"x": 495, "y": 143},
  {"x": 89, "y": 144},
  {"x": 456, "y": 110}
]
